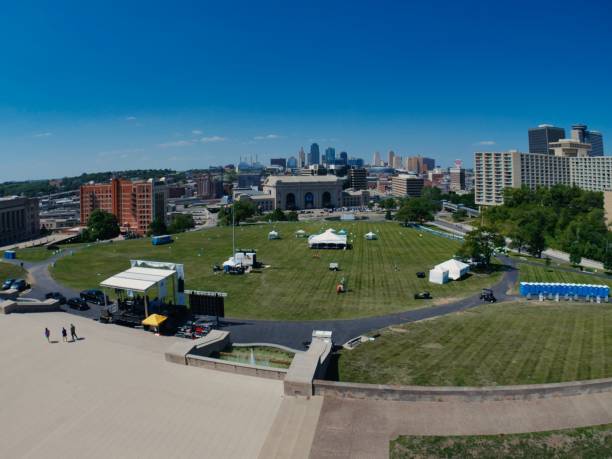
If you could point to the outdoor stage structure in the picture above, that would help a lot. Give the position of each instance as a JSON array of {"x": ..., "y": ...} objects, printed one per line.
[{"x": 154, "y": 283}]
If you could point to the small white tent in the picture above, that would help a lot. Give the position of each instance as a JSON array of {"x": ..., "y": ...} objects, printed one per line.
[
  {"x": 438, "y": 276},
  {"x": 456, "y": 269},
  {"x": 273, "y": 235},
  {"x": 300, "y": 233},
  {"x": 371, "y": 236}
]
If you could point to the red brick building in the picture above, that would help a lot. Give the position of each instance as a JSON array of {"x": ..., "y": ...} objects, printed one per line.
[{"x": 134, "y": 203}]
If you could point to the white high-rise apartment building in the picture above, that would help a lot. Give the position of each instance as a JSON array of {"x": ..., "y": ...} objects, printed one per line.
[{"x": 570, "y": 165}]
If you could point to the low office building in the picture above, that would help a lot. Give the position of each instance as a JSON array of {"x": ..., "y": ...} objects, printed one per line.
[
  {"x": 358, "y": 178},
  {"x": 355, "y": 198},
  {"x": 262, "y": 200},
  {"x": 19, "y": 219},
  {"x": 404, "y": 185},
  {"x": 304, "y": 192}
]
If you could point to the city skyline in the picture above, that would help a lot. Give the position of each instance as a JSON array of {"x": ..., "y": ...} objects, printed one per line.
[{"x": 204, "y": 84}]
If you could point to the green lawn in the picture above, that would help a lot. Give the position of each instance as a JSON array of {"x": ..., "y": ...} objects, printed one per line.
[
  {"x": 296, "y": 285},
  {"x": 587, "y": 442},
  {"x": 36, "y": 254},
  {"x": 8, "y": 270},
  {"x": 499, "y": 344}
]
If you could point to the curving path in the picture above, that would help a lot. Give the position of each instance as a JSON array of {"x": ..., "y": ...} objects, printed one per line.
[{"x": 296, "y": 334}]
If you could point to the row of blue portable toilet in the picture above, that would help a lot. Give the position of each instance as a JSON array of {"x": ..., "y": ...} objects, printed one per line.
[
  {"x": 10, "y": 254},
  {"x": 535, "y": 288}
]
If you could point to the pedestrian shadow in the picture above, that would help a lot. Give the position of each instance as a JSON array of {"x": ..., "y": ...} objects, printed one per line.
[
  {"x": 53, "y": 342},
  {"x": 78, "y": 339}
]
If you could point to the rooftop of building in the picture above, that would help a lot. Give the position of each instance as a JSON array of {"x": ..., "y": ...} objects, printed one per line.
[{"x": 273, "y": 180}]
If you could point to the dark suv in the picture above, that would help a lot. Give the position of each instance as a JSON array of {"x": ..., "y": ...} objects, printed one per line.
[
  {"x": 20, "y": 285},
  {"x": 93, "y": 296},
  {"x": 56, "y": 296}
]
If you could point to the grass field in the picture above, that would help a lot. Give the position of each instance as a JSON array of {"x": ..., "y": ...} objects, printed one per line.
[
  {"x": 500, "y": 344},
  {"x": 588, "y": 442},
  {"x": 36, "y": 254},
  {"x": 8, "y": 270},
  {"x": 296, "y": 285}
]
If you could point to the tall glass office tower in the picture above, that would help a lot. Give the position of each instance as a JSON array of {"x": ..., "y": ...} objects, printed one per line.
[
  {"x": 540, "y": 137},
  {"x": 314, "y": 155}
]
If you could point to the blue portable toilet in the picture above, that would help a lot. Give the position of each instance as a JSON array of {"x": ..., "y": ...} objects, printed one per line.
[
  {"x": 522, "y": 289},
  {"x": 10, "y": 254}
]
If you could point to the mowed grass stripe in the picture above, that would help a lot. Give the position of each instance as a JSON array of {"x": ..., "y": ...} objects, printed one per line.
[{"x": 492, "y": 344}]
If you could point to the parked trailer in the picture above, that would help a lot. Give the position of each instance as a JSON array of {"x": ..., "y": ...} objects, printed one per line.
[{"x": 160, "y": 240}]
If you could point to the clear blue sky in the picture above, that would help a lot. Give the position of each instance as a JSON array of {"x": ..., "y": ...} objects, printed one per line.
[{"x": 90, "y": 86}]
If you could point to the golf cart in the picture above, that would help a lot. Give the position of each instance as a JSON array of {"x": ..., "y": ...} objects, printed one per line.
[
  {"x": 424, "y": 295},
  {"x": 487, "y": 295}
]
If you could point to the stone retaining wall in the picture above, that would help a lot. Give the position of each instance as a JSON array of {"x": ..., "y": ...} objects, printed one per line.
[
  {"x": 11, "y": 307},
  {"x": 235, "y": 367},
  {"x": 445, "y": 394}
]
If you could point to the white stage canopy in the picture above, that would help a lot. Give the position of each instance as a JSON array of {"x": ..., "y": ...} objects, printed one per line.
[{"x": 137, "y": 279}]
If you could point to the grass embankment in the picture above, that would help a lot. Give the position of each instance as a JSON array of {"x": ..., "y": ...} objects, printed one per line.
[
  {"x": 297, "y": 283},
  {"x": 10, "y": 271},
  {"x": 588, "y": 442},
  {"x": 37, "y": 254},
  {"x": 502, "y": 344}
]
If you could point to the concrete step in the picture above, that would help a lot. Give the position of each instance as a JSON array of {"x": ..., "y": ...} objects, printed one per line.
[{"x": 293, "y": 429}]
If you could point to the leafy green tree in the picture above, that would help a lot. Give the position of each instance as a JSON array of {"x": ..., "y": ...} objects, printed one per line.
[
  {"x": 388, "y": 203},
  {"x": 292, "y": 216},
  {"x": 276, "y": 215},
  {"x": 388, "y": 215},
  {"x": 460, "y": 215},
  {"x": 181, "y": 223},
  {"x": 102, "y": 225},
  {"x": 244, "y": 209},
  {"x": 415, "y": 210},
  {"x": 157, "y": 228},
  {"x": 479, "y": 245},
  {"x": 575, "y": 254}
]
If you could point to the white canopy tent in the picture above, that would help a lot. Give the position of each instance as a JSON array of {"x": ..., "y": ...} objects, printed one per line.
[
  {"x": 141, "y": 280},
  {"x": 456, "y": 269},
  {"x": 327, "y": 240},
  {"x": 371, "y": 236},
  {"x": 438, "y": 276},
  {"x": 273, "y": 235}
]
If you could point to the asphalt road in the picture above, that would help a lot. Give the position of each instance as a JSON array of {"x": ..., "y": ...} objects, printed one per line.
[{"x": 289, "y": 333}]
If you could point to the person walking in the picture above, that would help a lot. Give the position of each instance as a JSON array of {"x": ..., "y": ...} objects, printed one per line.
[
  {"x": 73, "y": 332},
  {"x": 64, "y": 335},
  {"x": 47, "y": 335}
]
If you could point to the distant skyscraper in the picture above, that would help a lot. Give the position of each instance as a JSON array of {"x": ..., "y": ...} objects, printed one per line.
[
  {"x": 301, "y": 159},
  {"x": 314, "y": 156},
  {"x": 330, "y": 155},
  {"x": 420, "y": 164},
  {"x": 540, "y": 137},
  {"x": 390, "y": 157},
  {"x": 376, "y": 160},
  {"x": 344, "y": 157},
  {"x": 280, "y": 162},
  {"x": 292, "y": 162},
  {"x": 397, "y": 162},
  {"x": 581, "y": 133}
]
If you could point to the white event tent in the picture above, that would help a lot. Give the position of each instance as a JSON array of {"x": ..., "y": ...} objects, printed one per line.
[
  {"x": 327, "y": 240},
  {"x": 449, "y": 270}
]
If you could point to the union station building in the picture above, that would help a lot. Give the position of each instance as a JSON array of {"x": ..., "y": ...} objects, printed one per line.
[{"x": 304, "y": 192}]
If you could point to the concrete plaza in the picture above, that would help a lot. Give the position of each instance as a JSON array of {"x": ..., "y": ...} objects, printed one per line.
[{"x": 112, "y": 394}]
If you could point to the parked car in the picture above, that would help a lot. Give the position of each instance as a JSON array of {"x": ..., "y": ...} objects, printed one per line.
[
  {"x": 77, "y": 303},
  {"x": 487, "y": 295},
  {"x": 7, "y": 284},
  {"x": 94, "y": 296},
  {"x": 422, "y": 296},
  {"x": 420, "y": 275},
  {"x": 56, "y": 296},
  {"x": 20, "y": 285}
]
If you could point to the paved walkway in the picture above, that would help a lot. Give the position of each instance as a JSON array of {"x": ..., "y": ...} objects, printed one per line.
[
  {"x": 364, "y": 428},
  {"x": 294, "y": 334},
  {"x": 112, "y": 394}
]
